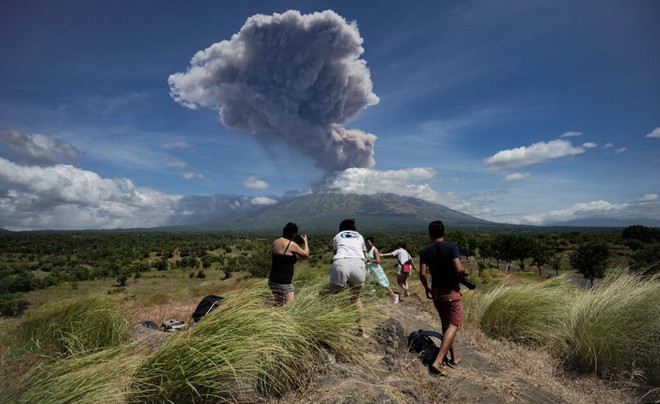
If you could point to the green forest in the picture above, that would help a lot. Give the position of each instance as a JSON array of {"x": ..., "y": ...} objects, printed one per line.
[{"x": 36, "y": 260}]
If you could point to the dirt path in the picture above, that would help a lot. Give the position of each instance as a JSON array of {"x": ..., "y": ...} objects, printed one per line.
[{"x": 389, "y": 374}]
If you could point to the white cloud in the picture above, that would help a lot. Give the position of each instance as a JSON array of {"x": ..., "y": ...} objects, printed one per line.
[
  {"x": 263, "y": 200},
  {"x": 33, "y": 148},
  {"x": 407, "y": 182},
  {"x": 570, "y": 134},
  {"x": 608, "y": 145},
  {"x": 577, "y": 211},
  {"x": 620, "y": 150},
  {"x": 649, "y": 198},
  {"x": 253, "y": 182},
  {"x": 655, "y": 133},
  {"x": 589, "y": 145},
  {"x": 175, "y": 146},
  {"x": 66, "y": 197},
  {"x": 648, "y": 206},
  {"x": 368, "y": 182},
  {"x": 189, "y": 175},
  {"x": 535, "y": 153},
  {"x": 517, "y": 176},
  {"x": 173, "y": 162}
]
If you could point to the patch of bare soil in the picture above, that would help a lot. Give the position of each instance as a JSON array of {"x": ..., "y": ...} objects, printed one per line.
[{"x": 490, "y": 371}]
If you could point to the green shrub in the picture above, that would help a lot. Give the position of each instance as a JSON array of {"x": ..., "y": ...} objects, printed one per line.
[
  {"x": 646, "y": 260},
  {"x": 11, "y": 305},
  {"x": 527, "y": 313}
]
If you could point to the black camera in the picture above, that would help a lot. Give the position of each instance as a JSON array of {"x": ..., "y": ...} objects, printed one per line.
[
  {"x": 298, "y": 239},
  {"x": 468, "y": 283}
]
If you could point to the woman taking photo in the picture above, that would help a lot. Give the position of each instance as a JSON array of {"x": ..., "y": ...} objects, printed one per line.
[{"x": 284, "y": 256}]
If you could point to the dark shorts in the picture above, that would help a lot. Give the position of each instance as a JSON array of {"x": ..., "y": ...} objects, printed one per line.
[
  {"x": 280, "y": 288},
  {"x": 449, "y": 306}
]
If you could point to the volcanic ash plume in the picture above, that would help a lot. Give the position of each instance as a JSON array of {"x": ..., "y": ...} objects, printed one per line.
[{"x": 288, "y": 77}]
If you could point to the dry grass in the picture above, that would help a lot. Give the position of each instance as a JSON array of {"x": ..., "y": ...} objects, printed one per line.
[
  {"x": 505, "y": 367},
  {"x": 537, "y": 368},
  {"x": 504, "y": 371}
]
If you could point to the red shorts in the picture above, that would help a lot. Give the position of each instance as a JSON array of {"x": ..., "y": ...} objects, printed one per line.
[{"x": 449, "y": 306}]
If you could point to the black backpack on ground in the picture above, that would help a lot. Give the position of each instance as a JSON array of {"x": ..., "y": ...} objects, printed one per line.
[
  {"x": 207, "y": 305},
  {"x": 420, "y": 342}
]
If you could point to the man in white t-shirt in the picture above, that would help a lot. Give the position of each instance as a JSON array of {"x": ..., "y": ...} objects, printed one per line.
[{"x": 348, "y": 263}]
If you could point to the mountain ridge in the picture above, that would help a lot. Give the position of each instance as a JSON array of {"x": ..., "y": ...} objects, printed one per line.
[{"x": 324, "y": 211}]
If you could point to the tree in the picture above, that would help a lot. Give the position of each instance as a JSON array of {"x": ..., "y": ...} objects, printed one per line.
[
  {"x": 555, "y": 263},
  {"x": 465, "y": 242},
  {"x": 541, "y": 254},
  {"x": 590, "y": 259},
  {"x": 646, "y": 260},
  {"x": 522, "y": 247},
  {"x": 641, "y": 233},
  {"x": 485, "y": 247},
  {"x": 504, "y": 249}
]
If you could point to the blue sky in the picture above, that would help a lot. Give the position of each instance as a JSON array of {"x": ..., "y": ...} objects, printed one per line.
[{"x": 529, "y": 112}]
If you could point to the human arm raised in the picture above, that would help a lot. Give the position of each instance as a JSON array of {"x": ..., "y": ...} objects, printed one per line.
[{"x": 302, "y": 252}]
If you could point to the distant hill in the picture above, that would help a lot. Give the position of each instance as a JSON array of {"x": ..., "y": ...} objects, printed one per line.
[
  {"x": 608, "y": 222},
  {"x": 324, "y": 211},
  {"x": 5, "y": 231}
]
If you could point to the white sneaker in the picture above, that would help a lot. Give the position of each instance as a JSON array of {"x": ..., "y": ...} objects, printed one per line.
[{"x": 396, "y": 299}]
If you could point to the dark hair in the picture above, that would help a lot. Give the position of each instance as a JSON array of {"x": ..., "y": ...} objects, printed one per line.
[
  {"x": 347, "y": 224},
  {"x": 290, "y": 230},
  {"x": 401, "y": 245},
  {"x": 369, "y": 239},
  {"x": 436, "y": 229}
]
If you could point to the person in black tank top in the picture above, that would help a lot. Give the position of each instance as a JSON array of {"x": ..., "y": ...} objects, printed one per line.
[{"x": 284, "y": 253}]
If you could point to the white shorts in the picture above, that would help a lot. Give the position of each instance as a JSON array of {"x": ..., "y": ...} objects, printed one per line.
[{"x": 348, "y": 271}]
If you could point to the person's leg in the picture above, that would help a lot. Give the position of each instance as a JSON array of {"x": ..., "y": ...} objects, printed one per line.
[
  {"x": 447, "y": 341},
  {"x": 288, "y": 298},
  {"x": 401, "y": 282},
  {"x": 355, "y": 299},
  {"x": 405, "y": 284},
  {"x": 382, "y": 279},
  {"x": 452, "y": 352},
  {"x": 278, "y": 297},
  {"x": 336, "y": 288},
  {"x": 338, "y": 276}
]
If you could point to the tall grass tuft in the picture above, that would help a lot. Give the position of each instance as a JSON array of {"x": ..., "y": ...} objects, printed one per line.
[
  {"x": 611, "y": 330},
  {"x": 615, "y": 328},
  {"x": 247, "y": 347},
  {"x": 527, "y": 313},
  {"x": 100, "y": 377},
  {"x": 73, "y": 327}
]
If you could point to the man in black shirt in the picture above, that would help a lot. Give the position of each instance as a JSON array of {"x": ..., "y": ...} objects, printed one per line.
[{"x": 443, "y": 261}]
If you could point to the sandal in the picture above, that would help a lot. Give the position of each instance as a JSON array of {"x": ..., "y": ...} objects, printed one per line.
[
  {"x": 452, "y": 363},
  {"x": 437, "y": 373}
]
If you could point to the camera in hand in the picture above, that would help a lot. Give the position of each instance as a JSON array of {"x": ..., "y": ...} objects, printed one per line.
[
  {"x": 468, "y": 283},
  {"x": 299, "y": 239}
]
